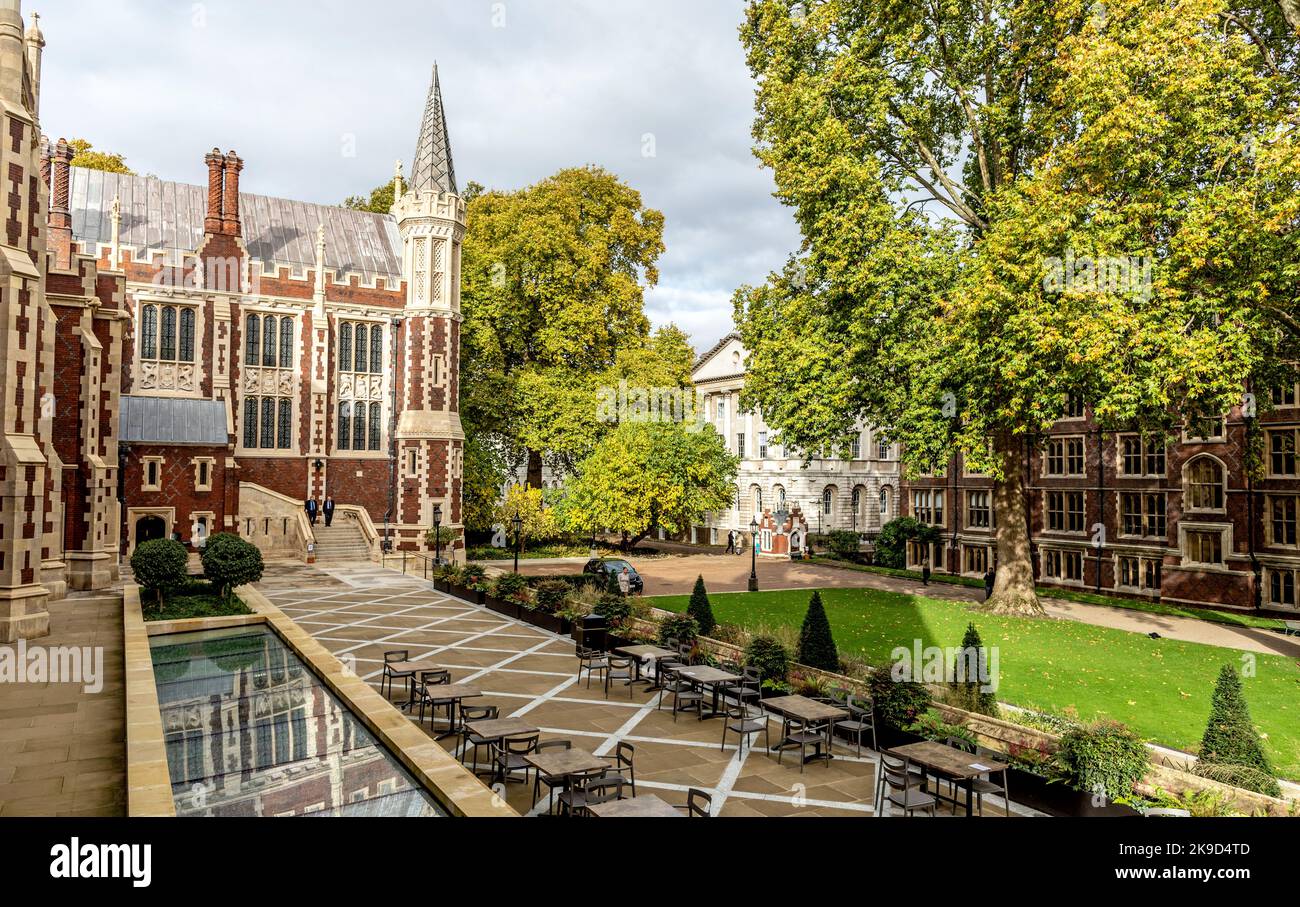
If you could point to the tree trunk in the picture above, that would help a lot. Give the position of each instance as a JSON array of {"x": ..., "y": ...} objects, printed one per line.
[
  {"x": 534, "y": 468},
  {"x": 1013, "y": 588},
  {"x": 1291, "y": 10}
]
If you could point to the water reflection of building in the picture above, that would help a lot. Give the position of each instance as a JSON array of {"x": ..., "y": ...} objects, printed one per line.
[{"x": 251, "y": 732}]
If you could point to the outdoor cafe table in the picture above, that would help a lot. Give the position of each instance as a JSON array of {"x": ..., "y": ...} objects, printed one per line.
[
  {"x": 949, "y": 762},
  {"x": 498, "y": 729},
  {"x": 644, "y": 653},
  {"x": 408, "y": 670},
  {"x": 808, "y": 711},
  {"x": 565, "y": 763},
  {"x": 646, "y": 806},
  {"x": 709, "y": 677},
  {"x": 451, "y": 693}
]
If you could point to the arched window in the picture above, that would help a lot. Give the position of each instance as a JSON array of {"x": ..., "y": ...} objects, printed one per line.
[
  {"x": 828, "y": 499},
  {"x": 377, "y": 350},
  {"x": 286, "y": 343},
  {"x": 363, "y": 349},
  {"x": 884, "y": 501},
  {"x": 284, "y": 436},
  {"x": 857, "y": 499},
  {"x": 345, "y": 425},
  {"x": 1204, "y": 484},
  {"x": 358, "y": 427},
  {"x": 268, "y": 341},
  {"x": 780, "y": 497},
  {"x": 250, "y": 422},
  {"x": 187, "y": 336},
  {"x": 253, "y": 332},
  {"x": 374, "y": 426},
  {"x": 167, "y": 348},
  {"x": 757, "y": 494},
  {"x": 345, "y": 348},
  {"x": 268, "y": 422},
  {"x": 149, "y": 332}
]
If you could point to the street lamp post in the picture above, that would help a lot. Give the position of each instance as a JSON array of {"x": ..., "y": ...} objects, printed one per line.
[
  {"x": 753, "y": 555},
  {"x": 518, "y": 524},
  {"x": 437, "y": 538}
]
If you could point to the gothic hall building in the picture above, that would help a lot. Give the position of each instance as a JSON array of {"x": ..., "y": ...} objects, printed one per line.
[{"x": 187, "y": 359}]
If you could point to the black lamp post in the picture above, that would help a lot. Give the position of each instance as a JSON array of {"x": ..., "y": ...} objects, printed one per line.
[
  {"x": 437, "y": 538},
  {"x": 518, "y": 524},
  {"x": 753, "y": 555}
]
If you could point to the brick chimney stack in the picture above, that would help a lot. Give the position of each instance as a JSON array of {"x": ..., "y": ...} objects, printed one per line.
[
  {"x": 61, "y": 163},
  {"x": 230, "y": 208},
  {"x": 212, "y": 222}
]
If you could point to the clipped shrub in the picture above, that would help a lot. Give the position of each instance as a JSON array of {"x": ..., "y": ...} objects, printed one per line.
[
  {"x": 229, "y": 561},
  {"x": 891, "y": 543},
  {"x": 473, "y": 576},
  {"x": 898, "y": 702},
  {"x": 509, "y": 586},
  {"x": 700, "y": 609},
  {"x": 843, "y": 544},
  {"x": 160, "y": 565},
  {"x": 769, "y": 657},
  {"x": 968, "y": 692},
  {"x": 614, "y": 608},
  {"x": 549, "y": 595},
  {"x": 816, "y": 644},
  {"x": 1105, "y": 757},
  {"x": 1230, "y": 738},
  {"x": 681, "y": 627}
]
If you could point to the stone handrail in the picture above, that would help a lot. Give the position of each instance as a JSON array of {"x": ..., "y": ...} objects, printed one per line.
[
  {"x": 300, "y": 537},
  {"x": 362, "y": 518}
]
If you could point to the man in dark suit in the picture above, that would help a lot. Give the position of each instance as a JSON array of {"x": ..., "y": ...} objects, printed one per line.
[
  {"x": 311, "y": 507},
  {"x": 328, "y": 510}
]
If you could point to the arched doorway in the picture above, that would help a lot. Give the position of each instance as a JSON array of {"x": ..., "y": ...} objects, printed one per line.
[{"x": 148, "y": 528}]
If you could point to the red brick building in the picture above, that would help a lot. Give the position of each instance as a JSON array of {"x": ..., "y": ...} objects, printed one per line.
[{"x": 1119, "y": 513}]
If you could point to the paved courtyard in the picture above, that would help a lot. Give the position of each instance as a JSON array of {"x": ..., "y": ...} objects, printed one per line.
[{"x": 362, "y": 611}]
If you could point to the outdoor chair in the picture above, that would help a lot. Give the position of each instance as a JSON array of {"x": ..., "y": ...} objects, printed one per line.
[
  {"x": 429, "y": 697},
  {"x": 624, "y": 758},
  {"x": 551, "y": 781},
  {"x": 699, "y": 803},
  {"x": 985, "y": 784},
  {"x": 666, "y": 677},
  {"x": 574, "y": 798},
  {"x": 904, "y": 790},
  {"x": 591, "y": 661},
  {"x": 472, "y": 741},
  {"x": 802, "y": 734},
  {"x": 684, "y": 650},
  {"x": 621, "y": 669},
  {"x": 508, "y": 756},
  {"x": 392, "y": 657},
  {"x": 860, "y": 721},
  {"x": 601, "y": 790},
  {"x": 745, "y": 720},
  {"x": 918, "y": 776},
  {"x": 687, "y": 695}
]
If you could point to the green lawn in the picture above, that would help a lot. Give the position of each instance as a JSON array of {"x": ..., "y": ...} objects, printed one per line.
[
  {"x": 197, "y": 598},
  {"x": 1159, "y": 687}
]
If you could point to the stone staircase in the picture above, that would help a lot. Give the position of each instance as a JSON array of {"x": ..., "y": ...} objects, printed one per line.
[{"x": 343, "y": 542}]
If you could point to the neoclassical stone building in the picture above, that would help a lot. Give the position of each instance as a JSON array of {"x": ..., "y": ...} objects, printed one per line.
[
  {"x": 184, "y": 359},
  {"x": 855, "y": 490}
]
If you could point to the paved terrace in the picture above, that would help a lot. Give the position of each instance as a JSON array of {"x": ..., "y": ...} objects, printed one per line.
[{"x": 363, "y": 610}]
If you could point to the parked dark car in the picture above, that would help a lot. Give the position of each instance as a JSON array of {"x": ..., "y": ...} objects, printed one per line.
[{"x": 613, "y": 566}]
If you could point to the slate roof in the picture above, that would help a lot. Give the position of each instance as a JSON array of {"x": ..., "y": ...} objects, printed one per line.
[
  {"x": 432, "y": 168},
  {"x": 174, "y": 420}
]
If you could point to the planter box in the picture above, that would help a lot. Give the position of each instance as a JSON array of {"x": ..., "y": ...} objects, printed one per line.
[
  {"x": 1059, "y": 799},
  {"x": 501, "y": 606},
  {"x": 462, "y": 592},
  {"x": 552, "y": 623},
  {"x": 442, "y": 585}
]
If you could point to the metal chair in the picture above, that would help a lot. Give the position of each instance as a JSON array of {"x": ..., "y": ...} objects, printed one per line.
[
  {"x": 624, "y": 757},
  {"x": 687, "y": 695},
  {"x": 435, "y": 678},
  {"x": 985, "y": 784},
  {"x": 574, "y": 798},
  {"x": 861, "y": 720},
  {"x": 620, "y": 669},
  {"x": 392, "y": 657},
  {"x": 745, "y": 720},
  {"x": 475, "y": 713},
  {"x": 666, "y": 677},
  {"x": 802, "y": 734},
  {"x": 591, "y": 661},
  {"x": 508, "y": 756},
  {"x": 904, "y": 790},
  {"x": 601, "y": 790},
  {"x": 699, "y": 803},
  {"x": 551, "y": 781}
]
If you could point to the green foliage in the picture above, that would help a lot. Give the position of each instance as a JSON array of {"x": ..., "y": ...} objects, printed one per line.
[
  {"x": 537, "y": 521},
  {"x": 473, "y": 576},
  {"x": 1244, "y": 776},
  {"x": 1102, "y": 758},
  {"x": 931, "y": 726},
  {"x": 700, "y": 609},
  {"x": 380, "y": 200},
  {"x": 1230, "y": 737},
  {"x": 444, "y": 536},
  {"x": 891, "y": 543},
  {"x": 614, "y": 608},
  {"x": 510, "y": 586},
  {"x": 549, "y": 595},
  {"x": 681, "y": 627},
  {"x": 899, "y": 703},
  {"x": 770, "y": 658},
  {"x": 644, "y": 475},
  {"x": 84, "y": 155},
  {"x": 843, "y": 544},
  {"x": 229, "y": 561},
  {"x": 969, "y": 693},
  {"x": 159, "y": 566},
  {"x": 816, "y": 643},
  {"x": 197, "y": 598}
]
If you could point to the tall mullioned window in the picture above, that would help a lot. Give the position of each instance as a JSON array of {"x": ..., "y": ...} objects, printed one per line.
[
  {"x": 167, "y": 332},
  {"x": 269, "y": 342}
]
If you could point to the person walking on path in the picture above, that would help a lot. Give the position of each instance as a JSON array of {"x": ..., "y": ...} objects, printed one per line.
[
  {"x": 312, "y": 509},
  {"x": 988, "y": 583},
  {"x": 624, "y": 581},
  {"x": 731, "y": 542},
  {"x": 925, "y": 572},
  {"x": 329, "y": 510}
]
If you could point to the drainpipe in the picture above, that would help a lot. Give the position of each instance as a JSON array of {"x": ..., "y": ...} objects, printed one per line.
[
  {"x": 392, "y": 439},
  {"x": 1101, "y": 501}
]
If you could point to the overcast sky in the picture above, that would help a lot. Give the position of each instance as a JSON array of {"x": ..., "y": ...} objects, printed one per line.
[{"x": 320, "y": 98}]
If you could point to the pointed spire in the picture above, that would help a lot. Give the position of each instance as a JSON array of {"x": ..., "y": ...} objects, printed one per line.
[{"x": 432, "y": 169}]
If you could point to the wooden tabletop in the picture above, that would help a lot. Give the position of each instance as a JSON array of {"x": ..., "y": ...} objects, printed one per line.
[
  {"x": 557, "y": 763},
  {"x": 646, "y": 806},
  {"x": 451, "y": 691},
  {"x": 804, "y": 709},
  {"x": 410, "y": 667},
  {"x": 496, "y": 728},
  {"x": 645, "y": 651},
  {"x": 706, "y": 674},
  {"x": 946, "y": 759}
]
